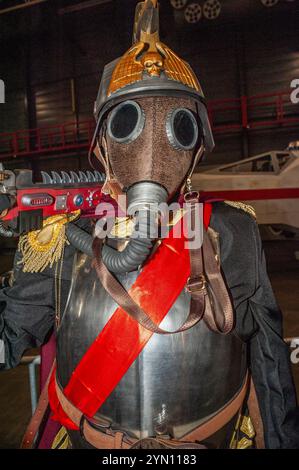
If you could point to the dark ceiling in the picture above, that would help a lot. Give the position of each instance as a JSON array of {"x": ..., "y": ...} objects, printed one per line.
[{"x": 38, "y": 18}]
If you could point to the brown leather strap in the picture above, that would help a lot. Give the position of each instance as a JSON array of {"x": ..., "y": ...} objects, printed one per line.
[
  {"x": 107, "y": 439},
  {"x": 255, "y": 416},
  {"x": 219, "y": 313},
  {"x": 121, "y": 296},
  {"x": 209, "y": 296},
  {"x": 219, "y": 420},
  {"x": 34, "y": 425},
  {"x": 98, "y": 439},
  {"x": 196, "y": 286}
]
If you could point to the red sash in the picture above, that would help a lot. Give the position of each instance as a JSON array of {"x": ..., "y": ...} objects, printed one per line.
[{"x": 122, "y": 339}]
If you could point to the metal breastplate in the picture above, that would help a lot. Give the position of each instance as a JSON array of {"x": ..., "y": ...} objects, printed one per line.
[{"x": 176, "y": 382}]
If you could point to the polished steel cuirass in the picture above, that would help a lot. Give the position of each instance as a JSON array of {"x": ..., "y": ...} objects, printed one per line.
[{"x": 176, "y": 382}]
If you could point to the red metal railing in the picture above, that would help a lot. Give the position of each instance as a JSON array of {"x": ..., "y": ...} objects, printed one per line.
[
  {"x": 267, "y": 110},
  {"x": 55, "y": 138},
  {"x": 229, "y": 115}
]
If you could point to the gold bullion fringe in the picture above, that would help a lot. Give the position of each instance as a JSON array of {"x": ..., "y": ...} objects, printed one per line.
[{"x": 43, "y": 248}]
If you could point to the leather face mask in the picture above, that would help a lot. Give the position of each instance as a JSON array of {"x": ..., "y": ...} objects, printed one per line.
[{"x": 153, "y": 139}]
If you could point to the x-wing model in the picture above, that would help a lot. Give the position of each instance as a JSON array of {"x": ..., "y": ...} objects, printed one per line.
[{"x": 269, "y": 182}]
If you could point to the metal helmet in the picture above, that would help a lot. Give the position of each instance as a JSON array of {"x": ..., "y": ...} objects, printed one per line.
[{"x": 149, "y": 69}]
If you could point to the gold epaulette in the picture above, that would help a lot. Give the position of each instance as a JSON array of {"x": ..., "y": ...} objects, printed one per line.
[
  {"x": 244, "y": 207},
  {"x": 43, "y": 248}
]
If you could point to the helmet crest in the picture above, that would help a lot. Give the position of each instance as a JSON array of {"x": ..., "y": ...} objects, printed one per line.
[{"x": 148, "y": 57}]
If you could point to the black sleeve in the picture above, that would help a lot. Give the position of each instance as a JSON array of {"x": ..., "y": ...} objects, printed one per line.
[
  {"x": 26, "y": 314},
  {"x": 27, "y": 309},
  {"x": 270, "y": 363},
  {"x": 5, "y": 202}
]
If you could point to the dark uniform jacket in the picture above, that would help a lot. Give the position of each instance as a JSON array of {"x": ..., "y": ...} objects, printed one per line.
[{"x": 27, "y": 313}]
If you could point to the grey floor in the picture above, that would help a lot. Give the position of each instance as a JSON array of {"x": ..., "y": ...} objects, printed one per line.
[{"x": 15, "y": 406}]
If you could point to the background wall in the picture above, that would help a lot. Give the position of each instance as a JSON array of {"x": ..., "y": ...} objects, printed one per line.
[{"x": 51, "y": 62}]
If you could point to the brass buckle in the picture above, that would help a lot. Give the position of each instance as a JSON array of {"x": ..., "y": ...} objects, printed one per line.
[
  {"x": 103, "y": 426},
  {"x": 196, "y": 285}
]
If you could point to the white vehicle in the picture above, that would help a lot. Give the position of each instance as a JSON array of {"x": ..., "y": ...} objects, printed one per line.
[{"x": 269, "y": 182}]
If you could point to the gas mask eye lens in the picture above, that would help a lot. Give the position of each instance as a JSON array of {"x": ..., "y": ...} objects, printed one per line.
[
  {"x": 126, "y": 122},
  {"x": 182, "y": 129}
]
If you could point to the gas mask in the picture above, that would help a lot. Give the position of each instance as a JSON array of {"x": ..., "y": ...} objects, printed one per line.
[{"x": 153, "y": 139}]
